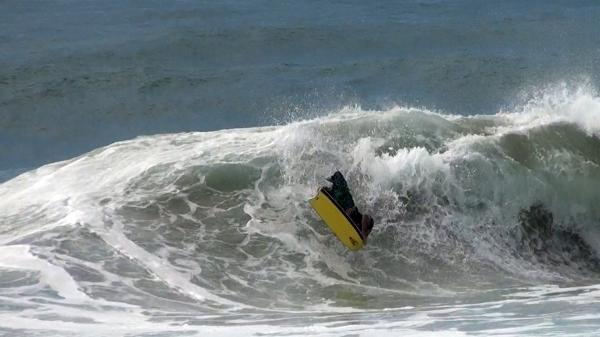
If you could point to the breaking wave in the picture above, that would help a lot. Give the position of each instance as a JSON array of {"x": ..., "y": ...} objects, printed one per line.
[{"x": 219, "y": 221}]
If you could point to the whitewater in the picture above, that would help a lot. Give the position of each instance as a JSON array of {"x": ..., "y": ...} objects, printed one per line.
[{"x": 210, "y": 233}]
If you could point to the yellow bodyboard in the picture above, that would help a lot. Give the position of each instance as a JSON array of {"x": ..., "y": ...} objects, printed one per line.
[{"x": 336, "y": 219}]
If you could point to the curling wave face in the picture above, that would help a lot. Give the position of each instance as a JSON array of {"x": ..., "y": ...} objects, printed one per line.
[{"x": 218, "y": 222}]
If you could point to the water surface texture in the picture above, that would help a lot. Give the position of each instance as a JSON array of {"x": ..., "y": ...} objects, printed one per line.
[{"x": 156, "y": 159}]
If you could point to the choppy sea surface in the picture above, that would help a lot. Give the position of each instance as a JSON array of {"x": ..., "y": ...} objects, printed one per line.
[{"x": 156, "y": 159}]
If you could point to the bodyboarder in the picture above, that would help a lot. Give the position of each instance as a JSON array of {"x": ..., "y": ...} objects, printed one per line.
[{"x": 340, "y": 192}]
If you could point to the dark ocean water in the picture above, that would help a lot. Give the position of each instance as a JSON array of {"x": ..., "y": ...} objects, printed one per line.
[
  {"x": 75, "y": 75},
  {"x": 156, "y": 159}
]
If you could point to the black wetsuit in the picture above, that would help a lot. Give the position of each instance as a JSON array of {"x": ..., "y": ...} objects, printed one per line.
[{"x": 340, "y": 191}]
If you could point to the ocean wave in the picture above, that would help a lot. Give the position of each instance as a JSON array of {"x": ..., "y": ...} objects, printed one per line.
[{"x": 218, "y": 221}]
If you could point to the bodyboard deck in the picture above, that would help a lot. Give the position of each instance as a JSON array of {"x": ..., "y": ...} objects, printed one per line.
[{"x": 337, "y": 220}]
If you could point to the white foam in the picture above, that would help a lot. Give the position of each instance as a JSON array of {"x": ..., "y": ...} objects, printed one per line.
[
  {"x": 408, "y": 166},
  {"x": 69, "y": 194},
  {"x": 19, "y": 257},
  {"x": 561, "y": 103}
]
